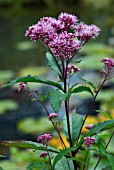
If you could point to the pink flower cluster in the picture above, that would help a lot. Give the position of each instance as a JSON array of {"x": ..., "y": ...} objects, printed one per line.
[
  {"x": 63, "y": 36},
  {"x": 21, "y": 86},
  {"x": 52, "y": 115},
  {"x": 85, "y": 32},
  {"x": 72, "y": 69},
  {"x": 43, "y": 154},
  {"x": 44, "y": 138},
  {"x": 108, "y": 62},
  {"x": 89, "y": 126},
  {"x": 88, "y": 141}
]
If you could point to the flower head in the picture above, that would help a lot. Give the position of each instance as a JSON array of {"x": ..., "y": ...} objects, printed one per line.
[
  {"x": 44, "y": 138},
  {"x": 43, "y": 154},
  {"x": 21, "y": 86},
  {"x": 88, "y": 141},
  {"x": 52, "y": 115},
  {"x": 63, "y": 36}
]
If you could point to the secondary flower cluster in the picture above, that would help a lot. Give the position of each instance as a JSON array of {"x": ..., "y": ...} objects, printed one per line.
[
  {"x": 108, "y": 62},
  {"x": 43, "y": 154},
  {"x": 72, "y": 69},
  {"x": 21, "y": 86},
  {"x": 52, "y": 115},
  {"x": 63, "y": 36},
  {"x": 44, "y": 138},
  {"x": 88, "y": 141}
]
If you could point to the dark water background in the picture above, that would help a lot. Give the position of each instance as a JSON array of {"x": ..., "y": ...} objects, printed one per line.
[{"x": 17, "y": 51}]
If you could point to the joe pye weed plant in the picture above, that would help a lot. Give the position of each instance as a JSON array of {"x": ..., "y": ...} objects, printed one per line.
[{"x": 64, "y": 38}]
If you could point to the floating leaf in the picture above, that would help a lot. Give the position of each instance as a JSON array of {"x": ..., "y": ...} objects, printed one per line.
[
  {"x": 6, "y": 75},
  {"x": 40, "y": 125},
  {"x": 7, "y": 105},
  {"x": 76, "y": 121},
  {"x": 25, "y": 45},
  {"x": 39, "y": 71}
]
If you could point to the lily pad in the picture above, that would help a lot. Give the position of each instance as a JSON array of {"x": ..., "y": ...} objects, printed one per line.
[
  {"x": 92, "y": 62},
  {"x": 25, "y": 45},
  {"x": 98, "y": 48},
  {"x": 34, "y": 126},
  {"x": 6, "y": 105},
  {"x": 34, "y": 71},
  {"x": 5, "y": 75}
]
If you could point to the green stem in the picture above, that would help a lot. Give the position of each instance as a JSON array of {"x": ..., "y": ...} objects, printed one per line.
[
  {"x": 67, "y": 114},
  {"x": 62, "y": 142},
  {"x": 91, "y": 106},
  {"x": 85, "y": 161},
  {"x": 49, "y": 157}
]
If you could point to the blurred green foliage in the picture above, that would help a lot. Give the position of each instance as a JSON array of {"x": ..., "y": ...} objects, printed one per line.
[
  {"x": 40, "y": 125},
  {"x": 7, "y": 105}
]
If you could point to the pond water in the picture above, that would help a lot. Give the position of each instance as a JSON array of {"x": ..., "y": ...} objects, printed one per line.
[{"x": 18, "y": 52}]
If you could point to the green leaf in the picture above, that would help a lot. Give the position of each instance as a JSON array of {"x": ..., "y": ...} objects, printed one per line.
[
  {"x": 105, "y": 113},
  {"x": 77, "y": 159},
  {"x": 34, "y": 79},
  {"x": 64, "y": 164},
  {"x": 82, "y": 89},
  {"x": 76, "y": 122},
  {"x": 2, "y": 156},
  {"x": 100, "y": 127},
  {"x": 38, "y": 165},
  {"x": 63, "y": 153},
  {"x": 89, "y": 83},
  {"x": 56, "y": 97},
  {"x": 52, "y": 63},
  {"x": 107, "y": 168},
  {"x": 109, "y": 156},
  {"x": 28, "y": 145},
  {"x": 1, "y": 168}
]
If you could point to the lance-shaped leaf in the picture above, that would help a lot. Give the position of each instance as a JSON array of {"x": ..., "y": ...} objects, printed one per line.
[
  {"x": 89, "y": 83},
  {"x": 100, "y": 127},
  {"x": 82, "y": 89},
  {"x": 109, "y": 156},
  {"x": 38, "y": 165},
  {"x": 34, "y": 79},
  {"x": 28, "y": 145},
  {"x": 76, "y": 122},
  {"x": 63, "y": 153},
  {"x": 64, "y": 164},
  {"x": 52, "y": 62},
  {"x": 105, "y": 113},
  {"x": 56, "y": 97},
  {"x": 1, "y": 168}
]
